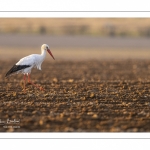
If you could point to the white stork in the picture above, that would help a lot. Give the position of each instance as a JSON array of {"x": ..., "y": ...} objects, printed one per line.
[{"x": 25, "y": 64}]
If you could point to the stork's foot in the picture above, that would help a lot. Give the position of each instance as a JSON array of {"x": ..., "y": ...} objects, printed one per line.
[
  {"x": 36, "y": 85},
  {"x": 41, "y": 88}
]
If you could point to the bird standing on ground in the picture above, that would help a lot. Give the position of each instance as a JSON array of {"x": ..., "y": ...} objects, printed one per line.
[{"x": 25, "y": 64}]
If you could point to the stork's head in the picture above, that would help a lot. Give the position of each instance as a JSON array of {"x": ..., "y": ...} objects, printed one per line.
[{"x": 46, "y": 48}]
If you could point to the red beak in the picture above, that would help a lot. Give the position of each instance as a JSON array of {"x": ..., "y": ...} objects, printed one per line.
[{"x": 50, "y": 53}]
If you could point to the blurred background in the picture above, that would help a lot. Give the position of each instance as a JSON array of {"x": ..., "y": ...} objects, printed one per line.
[{"x": 76, "y": 38}]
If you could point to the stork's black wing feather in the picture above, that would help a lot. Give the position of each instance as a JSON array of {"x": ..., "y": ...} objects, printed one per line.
[{"x": 16, "y": 68}]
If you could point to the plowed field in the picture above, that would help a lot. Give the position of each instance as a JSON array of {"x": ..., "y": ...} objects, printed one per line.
[{"x": 78, "y": 96}]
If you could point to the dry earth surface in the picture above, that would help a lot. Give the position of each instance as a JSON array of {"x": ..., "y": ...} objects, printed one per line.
[{"x": 79, "y": 96}]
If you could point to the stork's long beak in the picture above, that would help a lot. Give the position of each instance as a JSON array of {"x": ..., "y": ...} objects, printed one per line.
[{"x": 50, "y": 53}]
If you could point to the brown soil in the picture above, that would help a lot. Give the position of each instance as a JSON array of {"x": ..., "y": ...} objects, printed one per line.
[{"x": 79, "y": 96}]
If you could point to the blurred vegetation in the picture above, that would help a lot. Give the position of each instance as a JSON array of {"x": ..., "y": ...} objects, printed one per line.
[{"x": 133, "y": 27}]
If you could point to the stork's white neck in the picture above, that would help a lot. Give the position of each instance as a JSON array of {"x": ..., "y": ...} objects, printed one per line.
[{"x": 43, "y": 54}]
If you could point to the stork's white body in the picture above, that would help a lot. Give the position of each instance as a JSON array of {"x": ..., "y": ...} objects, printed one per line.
[
  {"x": 34, "y": 60},
  {"x": 26, "y": 64}
]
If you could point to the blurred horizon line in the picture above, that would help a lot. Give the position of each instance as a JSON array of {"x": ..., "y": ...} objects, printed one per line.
[
  {"x": 18, "y": 40},
  {"x": 111, "y": 27}
]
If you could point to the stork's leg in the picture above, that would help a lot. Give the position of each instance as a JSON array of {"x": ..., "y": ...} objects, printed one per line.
[
  {"x": 37, "y": 86},
  {"x": 24, "y": 85}
]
